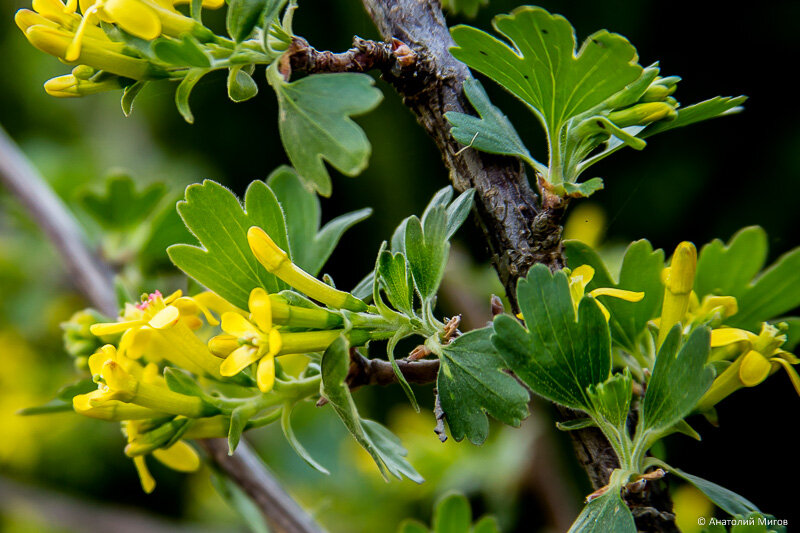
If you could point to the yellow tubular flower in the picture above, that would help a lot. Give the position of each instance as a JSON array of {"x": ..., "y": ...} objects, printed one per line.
[
  {"x": 582, "y": 276},
  {"x": 277, "y": 262},
  {"x": 678, "y": 283},
  {"x": 69, "y": 86},
  {"x": 161, "y": 327},
  {"x": 759, "y": 356},
  {"x": 147, "y": 391}
]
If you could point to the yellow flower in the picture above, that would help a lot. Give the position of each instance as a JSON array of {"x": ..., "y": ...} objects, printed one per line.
[
  {"x": 259, "y": 339},
  {"x": 70, "y": 86},
  {"x": 161, "y": 327},
  {"x": 277, "y": 262},
  {"x": 759, "y": 356},
  {"x": 179, "y": 456},
  {"x": 582, "y": 276},
  {"x": 678, "y": 283},
  {"x": 123, "y": 380}
]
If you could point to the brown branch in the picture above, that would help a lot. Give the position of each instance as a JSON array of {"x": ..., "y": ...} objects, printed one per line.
[
  {"x": 94, "y": 279},
  {"x": 365, "y": 371},
  {"x": 520, "y": 229}
]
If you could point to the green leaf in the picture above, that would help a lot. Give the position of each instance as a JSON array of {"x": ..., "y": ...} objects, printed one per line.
[
  {"x": 468, "y": 7},
  {"x": 121, "y": 206},
  {"x": 734, "y": 270},
  {"x": 225, "y": 264},
  {"x": 640, "y": 272},
  {"x": 185, "y": 89},
  {"x": 380, "y": 443},
  {"x": 719, "y": 106},
  {"x": 492, "y": 132},
  {"x": 288, "y": 432},
  {"x": 129, "y": 94},
  {"x": 487, "y": 524},
  {"x": 186, "y": 52},
  {"x": 314, "y": 124},
  {"x": 426, "y": 249},
  {"x": 63, "y": 400},
  {"x": 452, "y": 514},
  {"x": 585, "y": 189},
  {"x": 165, "y": 229},
  {"x": 310, "y": 246},
  {"x": 605, "y": 514},
  {"x": 242, "y": 17},
  {"x": 727, "y": 269},
  {"x": 471, "y": 383},
  {"x": 412, "y": 526},
  {"x": 241, "y": 86},
  {"x": 541, "y": 67},
  {"x": 458, "y": 211},
  {"x": 239, "y": 418},
  {"x": 557, "y": 357},
  {"x": 575, "y": 424},
  {"x": 396, "y": 280},
  {"x": 181, "y": 382},
  {"x": 678, "y": 381},
  {"x": 611, "y": 400},
  {"x": 725, "y": 499}
]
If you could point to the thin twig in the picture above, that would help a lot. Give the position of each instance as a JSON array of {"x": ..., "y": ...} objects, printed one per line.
[{"x": 94, "y": 279}]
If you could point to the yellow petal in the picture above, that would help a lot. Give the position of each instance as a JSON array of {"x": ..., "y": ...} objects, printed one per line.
[
  {"x": 264, "y": 248},
  {"x": 789, "y": 370},
  {"x": 173, "y": 296},
  {"x": 260, "y": 309},
  {"x": 578, "y": 281},
  {"x": 139, "y": 342},
  {"x": 236, "y": 325},
  {"x": 99, "y": 358},
  {"x": 628, "y": 296},
  {"x": 238, "y": 360},
  {"x": 134, "y": 17},
  {"x": 725, "y": 336},
  {"x": 147, "y": 480},
  {"x": 275, "y": 342},
  {"x": 223, "y": 345},
  {"x": 754, "y": 369},
  {"x": 604, "y": 310},
  {"x": 217, "y": 304},
  {"x": 265, "y": 376},
  {"x": 180, "y": 456},
  {"x": 190, "y": 306},
  {"x": 165, "y": 318},
  {"x": 112, "y": 328}
]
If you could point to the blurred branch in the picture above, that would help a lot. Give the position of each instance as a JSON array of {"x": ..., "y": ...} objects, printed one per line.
[
  {"x": 365, "y": 371},
  {"x": 94, "y": 279},
  {"x": 66, "y": 513},
  {"x": 520, "y": 228},
  {"x": 91, "y": 276}
]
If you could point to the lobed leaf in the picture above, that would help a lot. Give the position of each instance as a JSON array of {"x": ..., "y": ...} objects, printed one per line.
[
  {"x": 121, "y": 206},
  {"x": 472, "y": 384},
  {"x": 604, "y": 514},
  {"x": 556, "y": 356},
  {"x": 315, "y": 124},
  {"x": 224, "y": 262}
]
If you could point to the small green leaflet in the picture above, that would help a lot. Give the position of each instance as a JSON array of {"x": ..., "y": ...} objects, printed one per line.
[
  {"x": 186, "y": 52},
  {"x": 121, "y": 206},
  {"x": 396, "y": 280},
  {"x": 380, "y": 443},
  {"x": 734, "y": 270},
  {"x": 611, "y": 400},
  {"x": 557, "y": 357},
  {"x": 640, "y": 272},
  {"x": 185, "y": 89},
  {"x": 288, "y": 432},
  {"x": 241, "y": 86},
  {"x": 243, "y": 16},
  {"x": 541, "y": 67},
  {"x": 468, "y": 7},
  {"x": 225, "y": 264},
  {"x": 725, "y": 499},
  {"x": 471, "y": 383},
  {"x": 679, "y": 380},
  {"x": 605, "y": 514},
  {"x": 63, "y": 400},
  {"x": 315, "y": 124},
  {"x": 452, "y": 514},
  {"x": 492, "y": 132},
  {"x": 310, "y": 246},
  {"x": 427, "y": 248}
]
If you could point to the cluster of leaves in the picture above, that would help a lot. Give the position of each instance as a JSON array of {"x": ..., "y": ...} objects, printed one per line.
[
  {"x": 590, "y": 102},
  {"x": 451, "y": 515}
]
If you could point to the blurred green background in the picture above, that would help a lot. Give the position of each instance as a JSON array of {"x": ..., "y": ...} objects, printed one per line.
[{"x": 65, "y": 473}]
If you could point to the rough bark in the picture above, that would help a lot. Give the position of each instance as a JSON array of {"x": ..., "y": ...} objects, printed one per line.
[{"x": 520, "y": 228}]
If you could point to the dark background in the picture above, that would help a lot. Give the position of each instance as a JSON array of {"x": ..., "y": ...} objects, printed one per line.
[{"x": 694, "y": 184}]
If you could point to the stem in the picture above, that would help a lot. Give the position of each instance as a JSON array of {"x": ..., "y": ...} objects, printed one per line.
[{"x": 94, "y": 279}]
